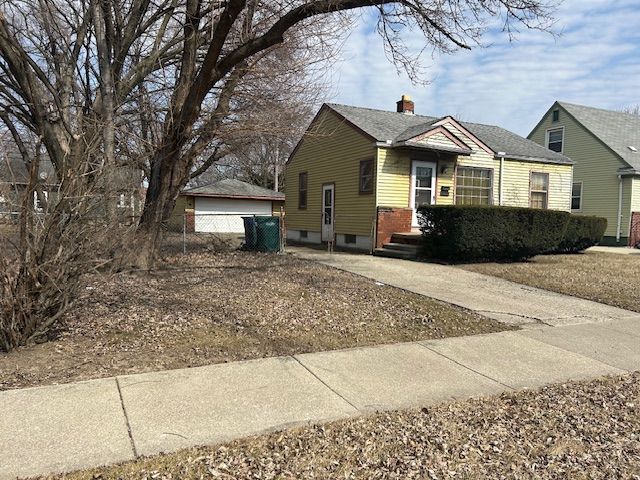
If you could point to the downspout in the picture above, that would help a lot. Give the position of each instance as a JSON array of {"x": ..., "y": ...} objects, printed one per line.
[
  {"x": 619, "y": 226},
  {"x": 501, "y": 181}
]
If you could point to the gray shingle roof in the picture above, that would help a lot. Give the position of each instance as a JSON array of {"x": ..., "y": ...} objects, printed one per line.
[
  {"x": 234, "y": 188},
  {"x": 14, "y": 170},
  {"x": 384, "y": 125},
  {"x": 617, "y": 130}
]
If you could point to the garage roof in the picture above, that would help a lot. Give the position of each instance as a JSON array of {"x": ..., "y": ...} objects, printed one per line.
[{"x": 232, "y": 188}]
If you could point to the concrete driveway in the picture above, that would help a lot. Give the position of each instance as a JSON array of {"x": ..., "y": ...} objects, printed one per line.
[{"x": 489, "y": 296}]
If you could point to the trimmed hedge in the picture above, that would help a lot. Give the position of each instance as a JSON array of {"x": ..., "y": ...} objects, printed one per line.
[
  {"x": 494, "y": 233},
  {"x": 582, "y": 232}
]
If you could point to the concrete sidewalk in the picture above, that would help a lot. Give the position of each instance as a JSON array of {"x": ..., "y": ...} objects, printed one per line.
[
  {"x": 489, "y": 296},
  {"x": 80, "y": 425},
  {"x": 66, "y": 427}
]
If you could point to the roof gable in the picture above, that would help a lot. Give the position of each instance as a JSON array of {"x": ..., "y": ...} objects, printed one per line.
[
  {"x": 391, "y": 127},
  {"x": 440, "y": 135},
  {"x": 616, "y": 130},
  {"x": 457, "y": 127}
]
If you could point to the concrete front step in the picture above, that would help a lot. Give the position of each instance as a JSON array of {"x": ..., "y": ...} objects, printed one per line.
[
  {"x": 404, "y": 247},
  {"x": 408, "y": 238},
  {"x": 386, "y": 252}
]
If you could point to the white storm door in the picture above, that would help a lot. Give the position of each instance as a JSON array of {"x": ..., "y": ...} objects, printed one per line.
[
  {"x": 328, "y": 213},
  {"x": 423, "y": 186}
]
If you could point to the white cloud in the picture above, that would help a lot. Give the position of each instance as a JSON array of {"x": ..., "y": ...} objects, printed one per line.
[{"x": 594, "y": 62}]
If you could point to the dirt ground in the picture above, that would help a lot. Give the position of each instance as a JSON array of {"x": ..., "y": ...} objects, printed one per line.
[
  {"x": 210, "y": 308},
  {"x": 581, "y": 430},
  {"x": 601, "y": 277}
]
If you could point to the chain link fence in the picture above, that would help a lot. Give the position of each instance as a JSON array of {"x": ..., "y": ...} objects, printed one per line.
[{"x": 223, "y": 232}]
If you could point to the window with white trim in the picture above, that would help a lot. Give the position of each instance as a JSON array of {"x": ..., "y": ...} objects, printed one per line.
[
  {"x": 38, "y": 203},
  {"x": 555, "y": 139},
  {"x": 576, "y": 196},
  {"x": 473, "y": 186},
  {"x": 539, "y": 190}
]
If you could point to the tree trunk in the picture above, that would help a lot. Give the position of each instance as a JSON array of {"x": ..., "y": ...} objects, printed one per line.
[{"x": 169, "y": 174}]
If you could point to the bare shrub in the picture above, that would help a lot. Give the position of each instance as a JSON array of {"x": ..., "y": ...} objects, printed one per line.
[{"x": 48, "y": 251}]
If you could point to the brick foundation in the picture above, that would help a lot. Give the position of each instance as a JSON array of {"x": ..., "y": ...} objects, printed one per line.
[
  {"x": 190, "y": 221},
  {"x": 390, "y": 221},
  {"x": 634, "y": 232}
]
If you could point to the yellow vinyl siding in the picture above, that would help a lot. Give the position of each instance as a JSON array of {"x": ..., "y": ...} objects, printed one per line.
[
  {"x": 635, "y": 195},
  {"x": 516, "y": 183},
  {"x": 596, "y": 167},
  {"x": 331, "y": 152},
  {"x": 393, "y": 178},
  {"x": 394, "y": 182},
  {"x": 446, "y": 178}
]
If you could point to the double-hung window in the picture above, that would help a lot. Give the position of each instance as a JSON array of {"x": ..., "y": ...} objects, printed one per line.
[
  {"x": 555, "y": 139},
  {"x": 366, "y": 176},
  {"x": 302, "y": 190},
  {"x": 576, "y": 196},
  {"x": 539, "y": 190},
  {"x": 473, "y": 186}
]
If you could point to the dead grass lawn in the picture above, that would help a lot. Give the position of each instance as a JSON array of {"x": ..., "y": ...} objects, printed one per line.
[
  {"x": 207, "y": 308},
  {"x": 581, "y": 430},
  {"x": 602, "y": 277}
]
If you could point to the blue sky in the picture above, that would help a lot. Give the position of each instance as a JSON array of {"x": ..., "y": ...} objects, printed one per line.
[{"x": 595, "y": 61}]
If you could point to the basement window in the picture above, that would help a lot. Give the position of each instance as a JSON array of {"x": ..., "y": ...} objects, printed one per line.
[
  {"x": 348, "y": 238},
  {"x": 304, "y": 234}
]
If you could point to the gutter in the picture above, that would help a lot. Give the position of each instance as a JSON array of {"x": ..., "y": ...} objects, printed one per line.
[
  {"x": 568, "y": 161},
  {"x": 501, "y": 184},
  {"x": 619, "y": 225}
]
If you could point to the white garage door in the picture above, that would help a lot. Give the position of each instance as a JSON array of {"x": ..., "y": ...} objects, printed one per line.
[{"x": 224, "y": 215}]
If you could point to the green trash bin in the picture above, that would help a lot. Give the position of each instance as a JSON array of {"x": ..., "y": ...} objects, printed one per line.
[{"x": 267, "y": 234}]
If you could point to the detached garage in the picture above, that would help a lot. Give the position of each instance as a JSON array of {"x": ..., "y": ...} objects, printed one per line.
[{"x": 219, "y": 207}]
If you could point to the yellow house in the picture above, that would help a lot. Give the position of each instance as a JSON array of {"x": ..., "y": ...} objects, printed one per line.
[{"x": 358, "y": 175}]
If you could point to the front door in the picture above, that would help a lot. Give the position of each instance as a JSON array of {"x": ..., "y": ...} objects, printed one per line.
[
  {"x": 327, "y": 212},
  {"x": 423, "y": 186}
]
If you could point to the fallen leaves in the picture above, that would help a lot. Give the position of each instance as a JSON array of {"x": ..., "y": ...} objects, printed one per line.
[
  {"x": 559, "y": 431},
  {"x": 210, "y": 308},
  {"x": 602, "y": 277}
]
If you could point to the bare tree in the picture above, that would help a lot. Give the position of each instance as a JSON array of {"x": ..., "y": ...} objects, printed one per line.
[
  {"x": 632, "y": 109},
  {"x": 78, "y": 73}
]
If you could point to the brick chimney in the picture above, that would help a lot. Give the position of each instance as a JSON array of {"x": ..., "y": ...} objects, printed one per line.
[{"x": 405, "y": 105}]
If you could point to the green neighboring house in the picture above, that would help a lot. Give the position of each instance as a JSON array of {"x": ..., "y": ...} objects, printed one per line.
[{"x": 605, "y": 145}]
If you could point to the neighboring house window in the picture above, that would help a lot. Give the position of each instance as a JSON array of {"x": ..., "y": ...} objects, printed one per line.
[
  {"x": 555, "y": 139},
  {"x": 555, "y": 115},
  {"x": 539, "y": 190},
  {"x": 366, "y": 176},
  {"x": 576, "y": 196},
  {"x": 302, "y": 190},
  {"x": 38, "y": 204},
  {"x": 122, "y": 201},
  {"x": 473, "y": 186}
]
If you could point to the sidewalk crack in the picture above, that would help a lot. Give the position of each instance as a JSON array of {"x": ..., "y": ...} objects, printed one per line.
[
  {"x": 126, "y": 418},
  {"x": 467, "y": 367},
  {"x": 325, "y": 384}
]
